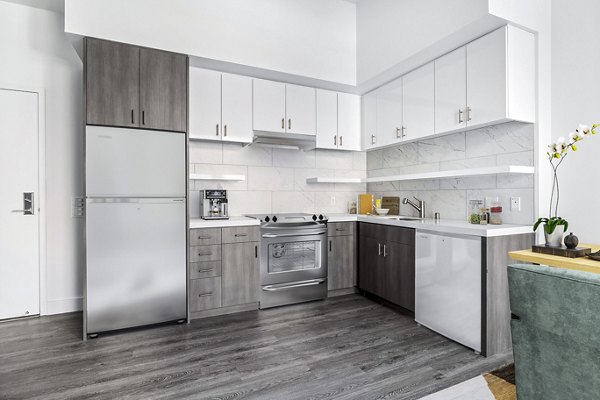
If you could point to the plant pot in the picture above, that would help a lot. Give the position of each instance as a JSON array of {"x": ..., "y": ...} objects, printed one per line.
[{"x": 555, "y": 238}]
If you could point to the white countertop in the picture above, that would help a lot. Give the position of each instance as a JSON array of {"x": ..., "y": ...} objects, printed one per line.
[
  {"x": 441, "y": 226},
  {"x": 196, "y": 223}
]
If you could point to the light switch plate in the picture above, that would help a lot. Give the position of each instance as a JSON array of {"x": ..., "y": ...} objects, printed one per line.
[{"x": 515, "y": 204}]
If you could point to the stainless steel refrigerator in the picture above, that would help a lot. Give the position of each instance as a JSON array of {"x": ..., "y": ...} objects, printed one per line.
[{"x": 135, "y": 228}]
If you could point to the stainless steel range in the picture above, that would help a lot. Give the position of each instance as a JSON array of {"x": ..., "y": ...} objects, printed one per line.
[{"x": 293, "y": 258}]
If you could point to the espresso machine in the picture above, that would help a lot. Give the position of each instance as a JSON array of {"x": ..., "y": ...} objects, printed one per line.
[{"x": 213, "y": 204}]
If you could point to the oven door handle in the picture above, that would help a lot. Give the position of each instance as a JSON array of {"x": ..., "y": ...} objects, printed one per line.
[
  {"x": 278, "y": 235},
  {"x": 312, "y": 282}
]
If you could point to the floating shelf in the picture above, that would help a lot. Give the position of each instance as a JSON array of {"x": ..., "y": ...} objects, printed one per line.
[
  {"x": 335, "y": 180},
  {"x": 456, "y": 173},
  {"x": 217, "y": 177}
]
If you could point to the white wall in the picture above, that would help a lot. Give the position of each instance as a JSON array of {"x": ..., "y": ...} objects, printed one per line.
[
  {"x": 576, "y": 99},
  {"x": 391, "y": 31},
  {"x": 312, "y": 38},
  {"x": 35, "y": 53}
]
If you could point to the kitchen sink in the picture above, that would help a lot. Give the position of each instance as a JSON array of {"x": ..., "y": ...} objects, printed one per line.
[{"x": 409, "y": 219}]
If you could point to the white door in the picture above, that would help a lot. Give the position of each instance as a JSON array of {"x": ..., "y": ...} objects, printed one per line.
[
  {"x": 327, "y": 119},
  {"x": 269, "y": 106},
  {"x": 205, "y": 104},
  {"x": 486, "y": 78},
  {"x": 237, "y": 108},
  {"x": 19, "y": 233},
  {"x": 451, "y": 91},
  {"x": 389, "y": 113},
  {"x": 348, "y": 121},
  {"x": 369, "y": 120},
  {"x": 418, "y": 103},
  {"x": 300, "y": 109}
]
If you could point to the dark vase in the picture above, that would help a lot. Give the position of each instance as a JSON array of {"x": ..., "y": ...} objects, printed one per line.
[{"x": 571, "y": 241}]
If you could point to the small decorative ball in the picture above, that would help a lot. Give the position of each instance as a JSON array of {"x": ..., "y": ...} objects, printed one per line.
[{"x": 571, "y": 241}]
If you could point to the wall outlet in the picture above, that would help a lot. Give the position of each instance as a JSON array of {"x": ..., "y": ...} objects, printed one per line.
[
  {"x": 333, "y": 200},
  {"x": 515, "y": 204}
]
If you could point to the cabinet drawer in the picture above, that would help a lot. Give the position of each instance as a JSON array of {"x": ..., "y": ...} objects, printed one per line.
[
  {"x": 386, "y": 233},
  {"x": 241, "y": 234},
  {"x": 341, "y": 228},
  {"x": 205, "y": 253},
  {"x": 206, "y": 269},
  {"x": 205, "y": 294},
  {"x": 204, "y": 237}
]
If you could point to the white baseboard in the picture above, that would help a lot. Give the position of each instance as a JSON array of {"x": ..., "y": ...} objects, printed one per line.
[{"x": 60, "y": 306}]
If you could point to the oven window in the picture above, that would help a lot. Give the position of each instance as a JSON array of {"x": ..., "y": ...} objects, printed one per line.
[{"x": 294, "y": 256}]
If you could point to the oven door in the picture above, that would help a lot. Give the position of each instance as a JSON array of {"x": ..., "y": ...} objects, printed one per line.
[{"x": 290, "y": 256}]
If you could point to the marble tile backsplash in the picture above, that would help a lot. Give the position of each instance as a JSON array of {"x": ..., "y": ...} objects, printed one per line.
[
  {"x": 276, "y": 178},
  {"x": 505, "y": 144}
]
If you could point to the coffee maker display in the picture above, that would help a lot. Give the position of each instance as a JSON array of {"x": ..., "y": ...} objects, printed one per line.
[{"x": 213, "y": 204}]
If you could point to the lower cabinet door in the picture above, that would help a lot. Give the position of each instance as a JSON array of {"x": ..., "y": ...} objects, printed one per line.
[
  {"x": 399, "y": 275},
  {"x": 240, "y": 273},
  {"x": 371, "y": 272},
  {"x": 341, "y": 269}
]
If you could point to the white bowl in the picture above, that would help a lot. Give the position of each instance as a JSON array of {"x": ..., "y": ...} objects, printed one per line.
[{"x": 382, "y": 211}]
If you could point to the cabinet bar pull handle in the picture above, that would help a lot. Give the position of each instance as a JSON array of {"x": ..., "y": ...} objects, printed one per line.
[
  {"x": 403, "y": 130},
  {"x": 330, "y": 246},
  {"x": 217, "y": 130},
  {"x": 468, "y": 114},
  {"x": 132, "y": 117},
  {"x": 384, "y": 250},
  {"x": 282, "y": 123},
  {"x": 335, "y": 140},
  {"x": 290, "y": 123},
  {"x": 240, "y": 234},
  {"x": 373, "y": 139},
  {"x": 205, "y": 270},
  {"x": 255, "y": 251},
  {"x": 379, "y": 248},
  {"x": 204, "y": 237},
  {"x": 398, "y": 133},
  {"x": 339, "y": 229},
  {"x": 460, "y": 118},
  {"x": 341, "y": 139},
  {"x": 224, "y": 130},
  {"x": 205, "y": 294},
  {"x": 205, "y": 254},
  {"x": 143, "y": 117}
]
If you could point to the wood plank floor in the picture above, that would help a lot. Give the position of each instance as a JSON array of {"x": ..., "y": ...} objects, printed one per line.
[{"x": 342, "y": 348}]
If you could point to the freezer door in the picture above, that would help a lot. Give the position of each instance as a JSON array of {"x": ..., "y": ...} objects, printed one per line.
[
  {"x": 136, "y": 262},
  {"x": 448, "y": 286},
  {"x": 124, "y": 162}
]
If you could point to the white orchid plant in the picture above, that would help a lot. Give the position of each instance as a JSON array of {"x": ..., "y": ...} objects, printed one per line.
[{"x": 556, "y": 155}]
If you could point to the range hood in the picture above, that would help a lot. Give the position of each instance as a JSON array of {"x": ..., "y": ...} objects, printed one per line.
[{"x": 282, "y": 140}]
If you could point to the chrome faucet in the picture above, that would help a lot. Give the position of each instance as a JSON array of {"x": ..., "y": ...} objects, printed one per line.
[{"x": 420, "y": 208}]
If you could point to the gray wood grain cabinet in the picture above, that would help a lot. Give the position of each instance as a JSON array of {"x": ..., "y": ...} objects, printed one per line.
[
  {"x": 341, "y": 256},
  {"x": 112, "y": 83},
  {"x": 240, "y": 273},
  {"x": 129, "y": 86},
  {"x": 386, "y": 266},
  {"x": 223, "y": 270}
]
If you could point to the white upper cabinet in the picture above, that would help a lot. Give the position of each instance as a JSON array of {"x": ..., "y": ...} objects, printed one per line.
[
  {"x": 205, "y": 104},
  {"x": 327, "y": 119},
  {"x": 300, "y": 109},
  {"x": 269, "y": 106},
  {"x": 220, "y": 106},
  {"x": 348, "y": 121},
  {"x": 501, "y": 77},
  {"x": 451, "y": 91},
  {"x": 418, "y": 103},
  {"x": 236, "y": 110},
  {"x": 389, "y": 113},
  {"x": 369, "y": 120}
]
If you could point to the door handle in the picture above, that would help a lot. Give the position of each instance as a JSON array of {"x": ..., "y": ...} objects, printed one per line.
[
  {"x": 341, "y": 140},
  {"x": 290, "y": 123},
  {"x": 373, "y": 140},
  {"x": 469, "y": 114},
  {"x": 28, "y": 204},
  {"x": 379, "y": 248},
  {"x": 143, "y": 117},
  {"x": 282, "y": 123},
  {"x": 335, "y": 140},
  {"x": 384, "y": 250},
  {"x": 132, "y": 117},
  {"x": 460, "y": 118},
  {"x": 217, "y": 130}
]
